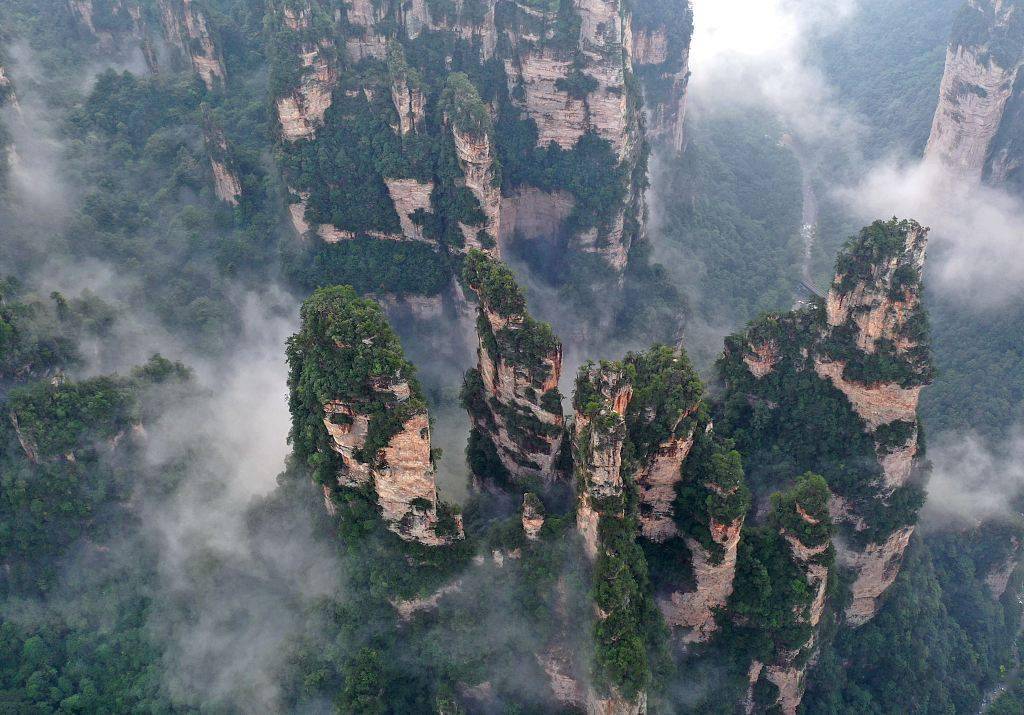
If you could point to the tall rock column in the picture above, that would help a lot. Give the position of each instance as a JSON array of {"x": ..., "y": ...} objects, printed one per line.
[
  {"x": 185, "y": 27},
  {"x": 226, "y": 184},
  {"x": 851, "y": 372},
  {"x": 472, "y": 132},
  {"x": 605, "y": 518},
  {"x": 603, "y": 393},
  {"x": 662, "y": 420},
  {"x": 512, "y": 396},
  {"x": 711, "y": 506},
  {"x": 800, "y": 518},
  {"x": 875, "y": 351},
  {"x": 305, "y": 88},
  {"x": 359, "y": 418},
  {"x": 661, "y": 58},
  {"x": 973, "y": 132}
]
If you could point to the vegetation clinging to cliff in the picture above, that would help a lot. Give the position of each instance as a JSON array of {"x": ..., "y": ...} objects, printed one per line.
[{"x": 346, "y": 350}]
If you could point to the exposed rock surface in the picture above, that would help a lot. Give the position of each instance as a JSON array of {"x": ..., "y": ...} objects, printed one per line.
[
  {"x": 877, "y": 567},
  {"x": 802, "y": 519},
  {"x": 301, "y": 110},
  {"x": 661, "y": 57},
  {"x": 185, "y": 26},
  {"x": 531, "y": 213},
  {"x": 693, "y": 611},
  {"x": 599, "y": 433},
  {"x": 476, "y": 158},
  {"x": 410, "y": 196},
  {"x": 533, "y": 516},
  {"x": 513, "y": 395},
  {"x": 869, "y": 341},
  {"x": 226, "y": 184},
  {"x": 878, "y": 307},
  {"x": 656, "y": 481},
  {"x": 975, "y": 127},
  {"x": 346, "y": 343}
]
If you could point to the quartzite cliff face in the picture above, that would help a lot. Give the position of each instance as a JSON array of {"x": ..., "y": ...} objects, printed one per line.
[
  {"x": 563, "y": 76},
  {"x": 512, "y": 396},
  {"x": 802, "y": 531},
  {"x": 981, "y": 100},
  {"x": 868, "y": 343},
  {"x": 873, "y": 312},
  {"x": 359, "y": 417}
]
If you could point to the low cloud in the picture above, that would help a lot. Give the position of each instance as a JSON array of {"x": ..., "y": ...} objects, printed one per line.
[
  {"x": 977, "y": 231},
  {"x": 758, "y": 52},
  {"x": 971, "y": 480}
]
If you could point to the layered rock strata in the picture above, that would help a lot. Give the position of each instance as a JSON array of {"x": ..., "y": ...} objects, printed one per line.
[
  {"x": 978, "y": 115},
  {"x": 603, "y": 393},
  {"x": 661, "y": 58},
  {"x": 874, "y": 310},
  {"x": 302, "y": 107},
  {"x": 226, "y": 184},
  {"x": 712, "y": 505},
  {"x": 868, "y": 342},
  {"x": 369, "y": 432},
  {"x": 185, "y": 26},
  {"x": 608, "y": 529},
  {"x": 802, "y": 519},
  {"x": 513, "y": 396}
]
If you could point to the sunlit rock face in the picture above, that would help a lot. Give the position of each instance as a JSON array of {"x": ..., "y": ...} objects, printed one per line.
[
  {"x": 875, "y": 305},
  {"x": 661, "y": 58},
  {"x": 301, "y": 106},
  {"x": 868, "y": 343},
  {"x": 694, "y": 611},
  {"x": 359, "y": 417},
  {"x": 513, "y": 396},
  {"x": 563, "y": 74},
  {"x": 979, "y": 113},
  {"x": 226, "y": 184},
  {"x": 477, "y": 160}
]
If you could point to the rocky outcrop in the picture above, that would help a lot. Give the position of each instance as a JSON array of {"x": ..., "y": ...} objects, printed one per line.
[
  {"x": 876, "y": 566},
  {"x": 874, "y": 308},
  {"x": 868, "y": 343},
  {"x": 801, "y": 518},
  {"x": 301, "y": 109},
  {"x": 370, "y": 434},
  {"x": 226, "y": 184},
  {"x": 365, "y": 38},
  {"x": 513, "y": 396},
  {"x": 532, "y": 516},
  {"x": 660, "y": 49},
  {"x": 713, "y": 574},
  {"x": 477, "y": 161},
  {"x": 971, "y": 133},
  {"x": 406, "y": 92},
  {"x": 185, "y": 26},
  {"x": 603, "y": 393},
  {"x": 410, "y": 197},
  {"x": 998, "y": 577},
  {"x": 530, "y": 213}
]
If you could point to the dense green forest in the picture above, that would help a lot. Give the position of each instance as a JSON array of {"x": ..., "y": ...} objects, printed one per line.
[{"x": 166, "y": 546}]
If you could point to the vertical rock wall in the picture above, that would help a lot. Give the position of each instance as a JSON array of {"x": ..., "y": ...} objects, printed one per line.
[
  {"x": 360, "y": 419},
  {"x": 513, "y": 395},
  {"x": 185, "y": 26},
  {"x": 875, "y": 305},
  {"x": 973, "y": 134}
]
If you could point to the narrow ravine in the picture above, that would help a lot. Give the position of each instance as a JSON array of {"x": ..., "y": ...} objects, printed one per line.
[{"x": 808, "y": 225}]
